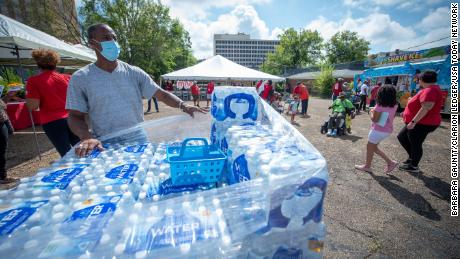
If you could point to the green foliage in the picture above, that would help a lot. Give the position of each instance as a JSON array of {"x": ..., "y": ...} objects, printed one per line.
[
  {"x": 346, "y": 46},
  {"x": 279, "y": 87},
  {"x": 325, "y": 80},
  {"x": 296, "y": 49},
  {"x": 148, "y": 36}
]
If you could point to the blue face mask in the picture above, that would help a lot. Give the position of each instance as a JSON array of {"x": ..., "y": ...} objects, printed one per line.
[{"x": 110, "y": 50}]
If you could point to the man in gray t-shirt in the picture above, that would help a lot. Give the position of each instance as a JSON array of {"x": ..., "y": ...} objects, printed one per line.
[{"x": 110, "y": 92}]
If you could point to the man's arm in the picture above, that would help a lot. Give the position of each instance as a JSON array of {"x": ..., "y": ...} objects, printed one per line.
[
  {"x": 174, "y": 101},
  {"x": 78, "y": 126}
]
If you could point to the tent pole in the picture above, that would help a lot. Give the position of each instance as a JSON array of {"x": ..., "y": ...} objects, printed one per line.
[{"x": 21, "y": 74}]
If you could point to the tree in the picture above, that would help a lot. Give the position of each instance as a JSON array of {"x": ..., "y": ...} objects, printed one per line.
[
  {"x": 296, "y": 49},
  {"x": 346, "y": 46},
  {"x": 325, "y": 80},
  {"x": 148, "y": 36}
]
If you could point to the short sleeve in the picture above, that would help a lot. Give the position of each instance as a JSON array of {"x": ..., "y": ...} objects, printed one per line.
[
  {"x": 76, "y": 97},
  {"x": 32, "y": 91},
  {"x": 378, "y": 108},
  {"x": 428, "y": 95},
  {"x": 147, "y": 86}
]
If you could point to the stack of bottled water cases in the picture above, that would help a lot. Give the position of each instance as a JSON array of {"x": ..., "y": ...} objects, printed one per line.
[
  {"x": 120, "y": 203},
  {"x": 261, "y": 145}
]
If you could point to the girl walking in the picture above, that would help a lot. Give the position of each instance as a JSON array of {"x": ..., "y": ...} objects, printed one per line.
[{"x": 382, "y": 126}]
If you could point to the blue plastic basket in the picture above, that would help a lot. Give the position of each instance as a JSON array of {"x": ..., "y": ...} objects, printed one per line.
[{"x": 195, "y": 164}]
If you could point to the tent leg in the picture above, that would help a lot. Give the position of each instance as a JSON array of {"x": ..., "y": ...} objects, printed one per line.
[
  {"x": 35, "y": 135},
  {"x": 21, "y": 72}
]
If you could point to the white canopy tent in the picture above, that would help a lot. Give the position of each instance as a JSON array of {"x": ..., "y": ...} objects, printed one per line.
[
  {"x": 17, "y": 41},
  {"x": 219, "y": 68},
  {"x": 17, "y": 38},
  {"x": 343, "y": 73}
]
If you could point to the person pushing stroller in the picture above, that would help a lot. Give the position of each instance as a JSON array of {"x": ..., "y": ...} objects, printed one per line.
[{"x": 340, "y": 108}]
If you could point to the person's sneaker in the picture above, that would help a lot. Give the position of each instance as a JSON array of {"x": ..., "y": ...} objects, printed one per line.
[
  {"x": 8, "y": 180},
  {"x": 349, "y": 130},
  {"x": 334, "y": 133},
  {"x": 407, "y": 162},
  {"x": 329, "y": 133},
  {"x": 409, "y": 168},
  {"x": 390, "y": 167}
]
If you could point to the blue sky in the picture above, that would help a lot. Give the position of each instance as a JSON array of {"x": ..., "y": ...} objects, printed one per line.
[{"x": 387, "y": 24}]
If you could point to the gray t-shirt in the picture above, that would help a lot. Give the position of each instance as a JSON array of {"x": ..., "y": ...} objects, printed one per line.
[{"x": 113, "y": 101}]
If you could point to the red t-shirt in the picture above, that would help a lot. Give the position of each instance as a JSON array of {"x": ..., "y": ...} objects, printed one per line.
[
  {"x": 258, "y": 85},
  {"x": 195, "y": 90},
  {"x": 302, "y": 92},
  {"x": 430, "y": 94},
  {"x": 50, "y": 88},
  {"x": 374, "y": 92},
  {"x": 266, "y": 92},
  {"x": 210, "y": 88},
  {"x": 337, "y": 89},
  {"x": 169, "y": 87}
]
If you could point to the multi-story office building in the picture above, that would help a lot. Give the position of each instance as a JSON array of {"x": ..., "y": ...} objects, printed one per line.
[{"x": 241, "y": 49}]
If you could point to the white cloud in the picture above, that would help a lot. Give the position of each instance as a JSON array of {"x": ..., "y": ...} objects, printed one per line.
[
  {"x": 199, "y": 9},
  {"x": 436, "y": 19},
  {"x": 377, "y": 28},
  {"x": 374, "y": 5},
  {"x": 386, "y": 34},
  {"x": 243, "y": 18}
]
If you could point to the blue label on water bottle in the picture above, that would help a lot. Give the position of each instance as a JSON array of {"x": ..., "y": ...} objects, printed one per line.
[
  {"x": 90, "y": 220},
  {"x": 284, "y": 252},
  {"x": 123, "y": 173},
  {"x": 224, "y": 145},
  {"x": 136, "y": 148},
  {"x": 179, "y": 229},
  {"x": 11, "y": 219},
  {"x": 213, "y": 135},
  {"x": 83, "y": 229},
  {"x": 60, "y": 179},
  {"x": 240, "y": 170},
  {"x": 167, "y": 187}
]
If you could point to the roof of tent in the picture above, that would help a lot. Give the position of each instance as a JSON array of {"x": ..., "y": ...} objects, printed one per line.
[
  {"x": 219, "y": 68},
  {"x": 14, "y": 33},
  {"x": 344, "y": 73}
]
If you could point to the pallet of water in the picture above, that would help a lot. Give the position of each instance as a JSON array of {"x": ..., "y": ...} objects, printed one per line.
[{"x": 120, "y": 202}]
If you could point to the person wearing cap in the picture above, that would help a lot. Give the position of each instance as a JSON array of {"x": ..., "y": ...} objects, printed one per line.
[
  {"x": 337, "y": 88},
  {"x": 339, "y": 109},
  {"x": 195, "y": 89}
]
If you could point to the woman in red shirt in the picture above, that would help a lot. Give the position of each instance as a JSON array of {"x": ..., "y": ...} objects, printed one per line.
[
  {"x": 267, "y": 92},
  {"x": 195, "y": 89},
  {"x": 422, "y": 116},
  {"x": 209, "y": 91},
  {"x": 48, "y": 91}
]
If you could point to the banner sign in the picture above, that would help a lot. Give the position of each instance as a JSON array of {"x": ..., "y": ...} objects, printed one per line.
[
  {"x": 408, "y": 56},
  {"x": 184, "y": 84}
]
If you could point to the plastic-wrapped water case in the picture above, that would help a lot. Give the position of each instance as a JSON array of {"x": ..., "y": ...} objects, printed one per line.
[{"x": 122, "y": 202}]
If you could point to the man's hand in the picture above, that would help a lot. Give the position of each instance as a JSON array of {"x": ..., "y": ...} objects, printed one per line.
[
  {"x": 190, "y": 110},
  {"x": 86, "y": 147}
]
